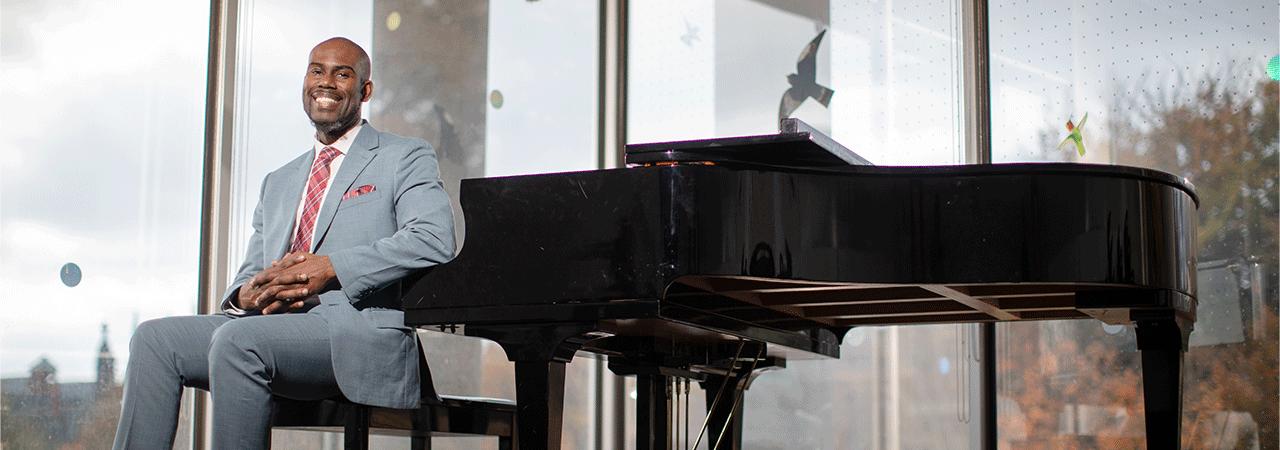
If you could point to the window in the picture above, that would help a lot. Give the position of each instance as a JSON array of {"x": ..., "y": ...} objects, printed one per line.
[
  {"x": 101, "y": 202},
  {"x": 492, "y": 87},
  {"x": 720, "y": 68},
  {"x": 1181, "y": 88}
]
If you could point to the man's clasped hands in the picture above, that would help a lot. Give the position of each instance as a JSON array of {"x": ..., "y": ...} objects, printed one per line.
[{"x": 289, "y": 285}]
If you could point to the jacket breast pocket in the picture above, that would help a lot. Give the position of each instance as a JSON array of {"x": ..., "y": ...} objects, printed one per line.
[{"x": 359, "y": 199}]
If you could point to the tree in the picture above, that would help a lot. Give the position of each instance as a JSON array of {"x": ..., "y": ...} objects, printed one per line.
[{"x": 1223, "y": 136}]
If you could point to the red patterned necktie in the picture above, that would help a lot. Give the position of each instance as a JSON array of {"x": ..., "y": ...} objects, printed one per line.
[{"x": 315, "y": 196}]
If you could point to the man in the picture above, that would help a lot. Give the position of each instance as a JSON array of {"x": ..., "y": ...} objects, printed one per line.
[{"x": 314, "y": 311}]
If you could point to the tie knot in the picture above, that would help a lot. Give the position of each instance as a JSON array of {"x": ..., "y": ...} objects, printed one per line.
[{"x": 326, "y": 155}]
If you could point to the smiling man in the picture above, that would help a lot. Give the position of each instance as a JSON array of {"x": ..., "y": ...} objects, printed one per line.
[{"x": 314, "y": 310}]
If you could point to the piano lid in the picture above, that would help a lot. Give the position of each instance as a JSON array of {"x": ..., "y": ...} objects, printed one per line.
[{"x": 796, "y": 145}]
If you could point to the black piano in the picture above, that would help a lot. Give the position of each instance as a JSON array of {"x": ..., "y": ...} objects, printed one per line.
[{"x": 714, "y": 260}]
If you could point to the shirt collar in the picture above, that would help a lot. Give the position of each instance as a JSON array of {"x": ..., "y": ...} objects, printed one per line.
[{"x": 343, "y": 143}]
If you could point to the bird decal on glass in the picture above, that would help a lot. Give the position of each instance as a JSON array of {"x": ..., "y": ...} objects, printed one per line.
[
  {"x": 804, "y": 83},
  {"x": 1075, "y": 134},
  {"x": 690, "y": 34}
]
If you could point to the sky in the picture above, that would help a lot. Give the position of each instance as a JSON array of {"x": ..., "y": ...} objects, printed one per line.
[
  {"x": 101, "y": 168},
  {"x": 104, "y": 165}
]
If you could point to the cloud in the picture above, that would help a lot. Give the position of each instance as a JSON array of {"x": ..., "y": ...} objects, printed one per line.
[
  {"x": 64, "y": 324},
  {"x": 103, "y": 118}
]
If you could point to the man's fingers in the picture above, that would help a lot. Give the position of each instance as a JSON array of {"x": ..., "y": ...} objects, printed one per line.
[
  {"x": 289, "y": 260},
  {"x": 295, "y": 293},
  {"x": 290, "y": 280},
  {"x": 273, "y": 308},
  {"x": 267, "y": 295},
  {"x": 283, "y": 287}
]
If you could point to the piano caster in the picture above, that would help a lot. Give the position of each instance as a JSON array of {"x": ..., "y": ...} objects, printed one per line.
[{"x": 1162, "y": 339}]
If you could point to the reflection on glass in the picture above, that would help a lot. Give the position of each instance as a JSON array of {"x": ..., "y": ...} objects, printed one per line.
[
  {"x": 1181, "y": 88},
  {"x": 100, "y": 188}
]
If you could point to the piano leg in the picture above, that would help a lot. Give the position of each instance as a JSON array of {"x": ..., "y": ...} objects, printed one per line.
[
  {"x": 539, "y": 353},
  {"x": 1162, "y": 339},
  {"x": 540, "y": 400},
  {"x": 653, "y": 412}
]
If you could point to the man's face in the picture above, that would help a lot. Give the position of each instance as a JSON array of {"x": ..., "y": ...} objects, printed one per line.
[{"x": 334, "y": 87}]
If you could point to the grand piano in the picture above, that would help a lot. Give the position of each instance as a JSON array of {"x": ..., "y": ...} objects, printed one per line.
[{"x": 714, "y": 260}]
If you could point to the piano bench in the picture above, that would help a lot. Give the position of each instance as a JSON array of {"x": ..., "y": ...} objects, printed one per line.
[
  {"x": 437, "y": 414},
  {"x": 451, "y": 416}
]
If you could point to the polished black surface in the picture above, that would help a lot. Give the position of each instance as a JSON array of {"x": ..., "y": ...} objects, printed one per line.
[
  {"x": 992, "y": 232},
  {"x": 667, "y": 267}
]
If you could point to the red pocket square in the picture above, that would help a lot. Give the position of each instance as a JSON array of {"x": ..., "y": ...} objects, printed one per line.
[{"x": 359, "y": 191}]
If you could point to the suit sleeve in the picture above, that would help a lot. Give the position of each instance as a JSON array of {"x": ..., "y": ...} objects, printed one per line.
[
  {"x": 424, "y": 236},
  {"x": 254, "y": 260}
]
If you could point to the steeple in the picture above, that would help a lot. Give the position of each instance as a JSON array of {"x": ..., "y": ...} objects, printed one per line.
[{"x": 106, "y": 364}]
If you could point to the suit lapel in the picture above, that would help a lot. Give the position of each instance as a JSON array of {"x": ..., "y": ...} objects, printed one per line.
[
  {"x": 356, "y": 159},
  {"x": 280, "y": 233}
]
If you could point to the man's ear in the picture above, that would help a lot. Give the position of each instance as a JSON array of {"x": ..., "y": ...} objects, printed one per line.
[{"x": 367, "y": 90}]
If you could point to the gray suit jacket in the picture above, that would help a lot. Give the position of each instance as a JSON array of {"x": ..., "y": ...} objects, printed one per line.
[{"x": 373, "y": 240}]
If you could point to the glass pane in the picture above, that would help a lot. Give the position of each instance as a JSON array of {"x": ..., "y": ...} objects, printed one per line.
[
  {"x": 435, "y": 92},
  {"x": 271, "y": 128},
  {"x": 704, "y": 69},
  {"x": 101, "y": 202},
  {"x": 502, "y": 88},
  {"x": 542, "y": 78},
  {"x": 1182, "y": 88}
]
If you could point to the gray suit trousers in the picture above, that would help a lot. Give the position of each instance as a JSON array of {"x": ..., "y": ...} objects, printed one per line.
[{"x": 241, "y": 361}]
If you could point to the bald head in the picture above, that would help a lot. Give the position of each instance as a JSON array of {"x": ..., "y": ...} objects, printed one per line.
[{"x": 363, "y": 66}]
